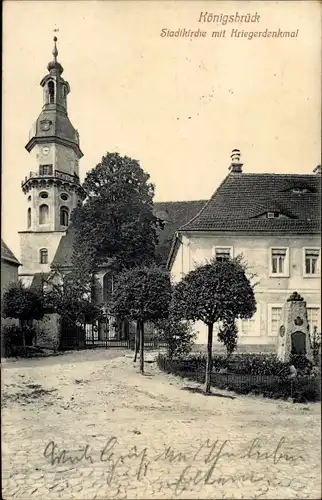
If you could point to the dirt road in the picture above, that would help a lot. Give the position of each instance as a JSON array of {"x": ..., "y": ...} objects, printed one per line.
[{"x": 88, "y": 425}]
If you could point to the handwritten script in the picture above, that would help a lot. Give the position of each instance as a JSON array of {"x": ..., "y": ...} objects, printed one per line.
[{"x": 204, "y": 465}]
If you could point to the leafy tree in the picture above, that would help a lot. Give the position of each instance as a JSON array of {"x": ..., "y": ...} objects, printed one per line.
[
  {"x": 142, "y": 294},
  {"x": 71, "y": 300},
  {"x": 228, "y": 335},
  {"x": 24, "y": 304},
  {"x": 116, "y": 221},
  {"x": 178, "y": 335},
  {"x": 216, "y": 291}
]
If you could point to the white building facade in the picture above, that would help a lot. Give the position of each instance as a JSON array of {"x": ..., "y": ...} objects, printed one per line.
[{"x": 273, "y": 220}]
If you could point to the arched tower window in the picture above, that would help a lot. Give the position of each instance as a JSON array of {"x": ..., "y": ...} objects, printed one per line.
[
  {"x": 51, "y": 92},
  {"x": 43, "y": 214},
  {"x": 43, "y": 256},
  {"x": 29, "y": 217},
  {"x": 64, "y": 216}
]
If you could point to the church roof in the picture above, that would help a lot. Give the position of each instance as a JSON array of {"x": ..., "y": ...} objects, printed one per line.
[
  {"x": 38, "y": 280},
  {"x": 174, "y": 213},
  {"x": 242, "y": 201},
  {"x": 57, "y": 127},
  {"x": 64, "y": 252},
  {"x": 7, "y": 255}
]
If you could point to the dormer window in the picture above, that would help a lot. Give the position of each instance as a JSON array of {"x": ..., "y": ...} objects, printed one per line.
[
  {"x": 273, "y": 215},
  {"x": 300, "y": 190}
]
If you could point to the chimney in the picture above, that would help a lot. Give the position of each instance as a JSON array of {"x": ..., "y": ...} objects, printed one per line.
[
  {"x": 317, "y": 170},
  {"x": 236, "y": 166}
]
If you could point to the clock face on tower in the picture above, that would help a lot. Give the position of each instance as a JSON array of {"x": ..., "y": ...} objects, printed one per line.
[{"x": 45, "y": 150}]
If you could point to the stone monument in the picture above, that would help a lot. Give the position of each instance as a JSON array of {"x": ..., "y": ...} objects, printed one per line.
[{"x": 293, "y": 334}]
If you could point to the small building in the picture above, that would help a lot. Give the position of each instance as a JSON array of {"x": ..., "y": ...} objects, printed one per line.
[
  {"x": 273, "y": 220},
  {"x": 9, "y": 267}
]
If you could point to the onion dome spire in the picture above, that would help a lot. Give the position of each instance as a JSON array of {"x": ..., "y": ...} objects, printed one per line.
[{"x": 54, "y": 66}]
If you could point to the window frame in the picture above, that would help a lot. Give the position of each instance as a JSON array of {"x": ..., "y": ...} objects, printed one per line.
[
  {"x": 41, "y": 167},
  {"x": 269, "y": 318},
  {"x": 29, "y": 218},
  {"x": 230, "y": 248},
  {"x": 51, "y": 95},
  {"x": 318, "y": 307},
  {"x": 257, "y": 322},
  {"x": 286, "y": 273},
  {"x": 62, "y": 211},
  {"x": 39, "y": 215},
  {"x": 309, "y": 275},
  {"x": 42, "y": 252}
]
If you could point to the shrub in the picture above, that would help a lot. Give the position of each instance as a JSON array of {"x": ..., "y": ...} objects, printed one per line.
[
  {"x": 315, "y": 339},
  {"x": 12, "y": 337},
  {"x": 178, "y": 335},
  {"x": 254, "y": 364},
  {"x": 301, "y": 363},
  {"x": 22, "y": 303},
  {"x": 300, "y": 389}
]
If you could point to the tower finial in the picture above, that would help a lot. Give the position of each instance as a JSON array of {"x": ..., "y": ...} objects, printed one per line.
[
  {"x": 55, "y": 51},
  {"x": 54, "y": 65}
]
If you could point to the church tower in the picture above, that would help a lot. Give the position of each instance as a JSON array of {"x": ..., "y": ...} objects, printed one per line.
[{"x": 53, "y": 189}]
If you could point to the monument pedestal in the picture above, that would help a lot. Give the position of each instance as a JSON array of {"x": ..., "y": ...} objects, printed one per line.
[{"x": 293, "y": 334}]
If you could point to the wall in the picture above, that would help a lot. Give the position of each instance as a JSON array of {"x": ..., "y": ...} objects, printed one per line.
[
  {"x": 48, "y": 331},
  {"x": 196, "y": 248},
  {"x": 61, "y": 157},
  {"x": 30, "y": 245},
  {"x": 66, "y": 160},
  {"x": 9, "y": 273}
]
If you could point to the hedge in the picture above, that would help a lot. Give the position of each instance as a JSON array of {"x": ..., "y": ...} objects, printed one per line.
[{"x": 257, "y": 380}]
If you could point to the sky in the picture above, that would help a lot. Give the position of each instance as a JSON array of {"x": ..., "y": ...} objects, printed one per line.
[{"x": 178, "y": 105}]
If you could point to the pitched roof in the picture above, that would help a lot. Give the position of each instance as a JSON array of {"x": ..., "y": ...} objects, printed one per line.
[
  {"x": 173, "y": 213},
  {"x": 38, "y": 280},
  {"x": 242, "y": 199},
  {"x": 60, "y": 127},
  {"x": 64, "y": 252},
  {"x": 7, "y": 255}
]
